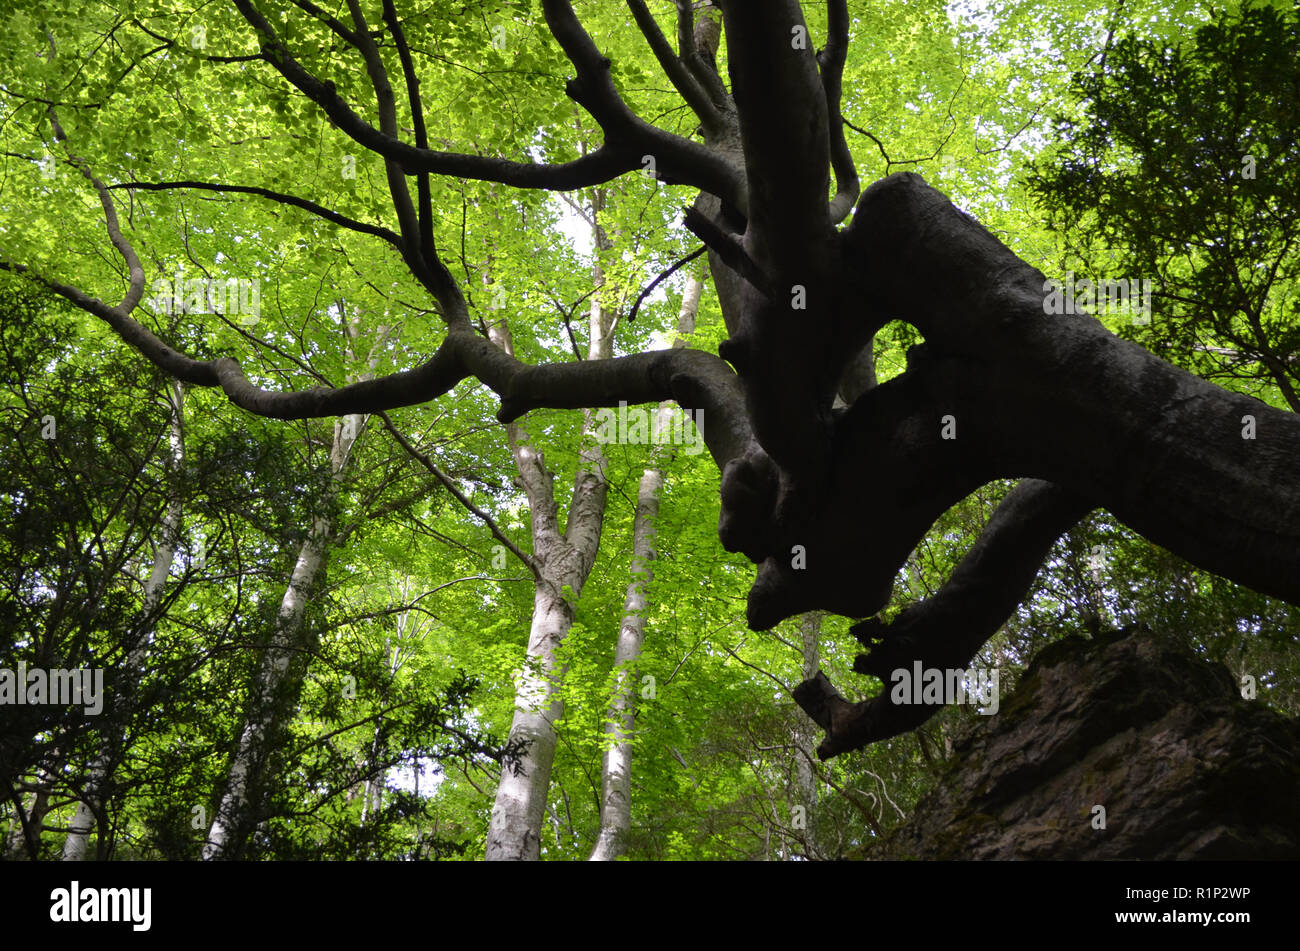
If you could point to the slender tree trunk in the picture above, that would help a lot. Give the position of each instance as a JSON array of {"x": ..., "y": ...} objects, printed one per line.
[
  {"x": 810, "y": 626},
  {"x": 34, "y": 815},
  {"x": 374, "y": 786},
  {"x": 236, "y": 812},
  {"x": 91, "y": 806},
  {"x": 616, "y": 762}
]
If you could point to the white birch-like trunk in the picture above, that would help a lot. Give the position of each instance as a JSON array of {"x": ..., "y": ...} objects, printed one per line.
[
  {"x": 264, "y": 716},
  {"x": 616, "y": 761},
  {"x": 233, "y": 808},
  {"x": 806, "y": 732},
  {"x": 563, "y": 559},
  {"x": 374, "y": 787},
  {"x": 514, "y": 832},
  {"x": 89, "y": 808},
  {"x": 39, "y": 804}
]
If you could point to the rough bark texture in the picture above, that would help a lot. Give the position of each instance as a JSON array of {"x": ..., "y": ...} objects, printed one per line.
[
  {"x": 563, "y": 560},
  {"x": 945, "y": 631},
  {"x": 1135, "y": 723}
]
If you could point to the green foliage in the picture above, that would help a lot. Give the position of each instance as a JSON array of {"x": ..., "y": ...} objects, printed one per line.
[
  {"x": 1181, "y": 168},
  {"x": 393, "y": 731}
]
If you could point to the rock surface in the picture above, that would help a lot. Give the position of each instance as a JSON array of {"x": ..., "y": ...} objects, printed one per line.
[{"x": 1133, "y": 722}]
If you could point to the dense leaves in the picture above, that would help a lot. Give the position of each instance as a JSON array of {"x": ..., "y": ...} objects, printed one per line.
[{"x": 391, "y": 733}]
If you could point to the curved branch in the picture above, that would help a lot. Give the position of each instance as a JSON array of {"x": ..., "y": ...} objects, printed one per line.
[
  {"x": 595, "y": 168},
  {"x": 673, "y": 67},
  {"x": 628, "y": 138},
  {"x": 304, "y": 203},
  {"x": 831, "y": 60},
  {"x": 661, "y": 278},
  {"x": 450, "y": 486},
  {"x": 423, "y": 195},
  {"x": 677, "y": 160},
  {"x": 945, "y": 631},
  {"x": 421, "y": 257}
]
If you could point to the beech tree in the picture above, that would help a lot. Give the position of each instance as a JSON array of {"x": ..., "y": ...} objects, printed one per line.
[{"x": 829, "y": 478}]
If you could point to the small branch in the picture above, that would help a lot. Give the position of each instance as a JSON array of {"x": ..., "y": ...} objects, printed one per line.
[
  {"x": 306, "y": 204},
  {"x": 451, "y": 487},
  {"x": 832, "y": 60},
  {"x": 728, "y": 247},
  {"x": 660, "y": 279}
]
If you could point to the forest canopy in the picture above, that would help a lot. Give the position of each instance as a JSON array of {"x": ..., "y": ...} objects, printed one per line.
[{"x": 474, "y": 428}]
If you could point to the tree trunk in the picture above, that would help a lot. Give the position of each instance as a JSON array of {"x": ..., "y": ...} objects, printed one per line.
[
  {"x": 273, "y": 692},
  {"x": 25, "y": 830},
  {"x": 91, "y": 806},
  {"x": 616, "y": 762},
  {"x": 564, "y": 560},
  {"x": 810, "y": 626}
]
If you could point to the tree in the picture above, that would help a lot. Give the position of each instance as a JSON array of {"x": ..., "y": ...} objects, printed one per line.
[
  {"x": 828, "y": 479},
  {"x": 1183, "y": 163}
]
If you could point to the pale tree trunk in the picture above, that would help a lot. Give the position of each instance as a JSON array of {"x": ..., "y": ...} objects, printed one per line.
[
  {"x": 374, "y": 786},
  {"x": 810, "y": 626},
  {"x": 564, "y": 559},
  {"x": 234, "y": 813},
  {"x": 90, "y": 806},
  {"x": 616, "y": 762}
]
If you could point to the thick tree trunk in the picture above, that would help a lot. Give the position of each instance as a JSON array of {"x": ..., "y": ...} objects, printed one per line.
[
  {"x": 515, "y": 828},
  {"x": 90, "y": 807},
  {"x": 1025, "y": 393},
  {"x": 564, "y": 559}
]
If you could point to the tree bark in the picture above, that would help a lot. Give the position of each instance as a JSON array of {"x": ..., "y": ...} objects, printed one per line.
[
  {"x": 1033, "y": 395},
  {"x": 273, "y": 690},
  {"x": 616, "y": 760},
  {"x": 564, "y": 560},
  {"x": 810, "y": 626},
  {"x": 90, "y": 807}
]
